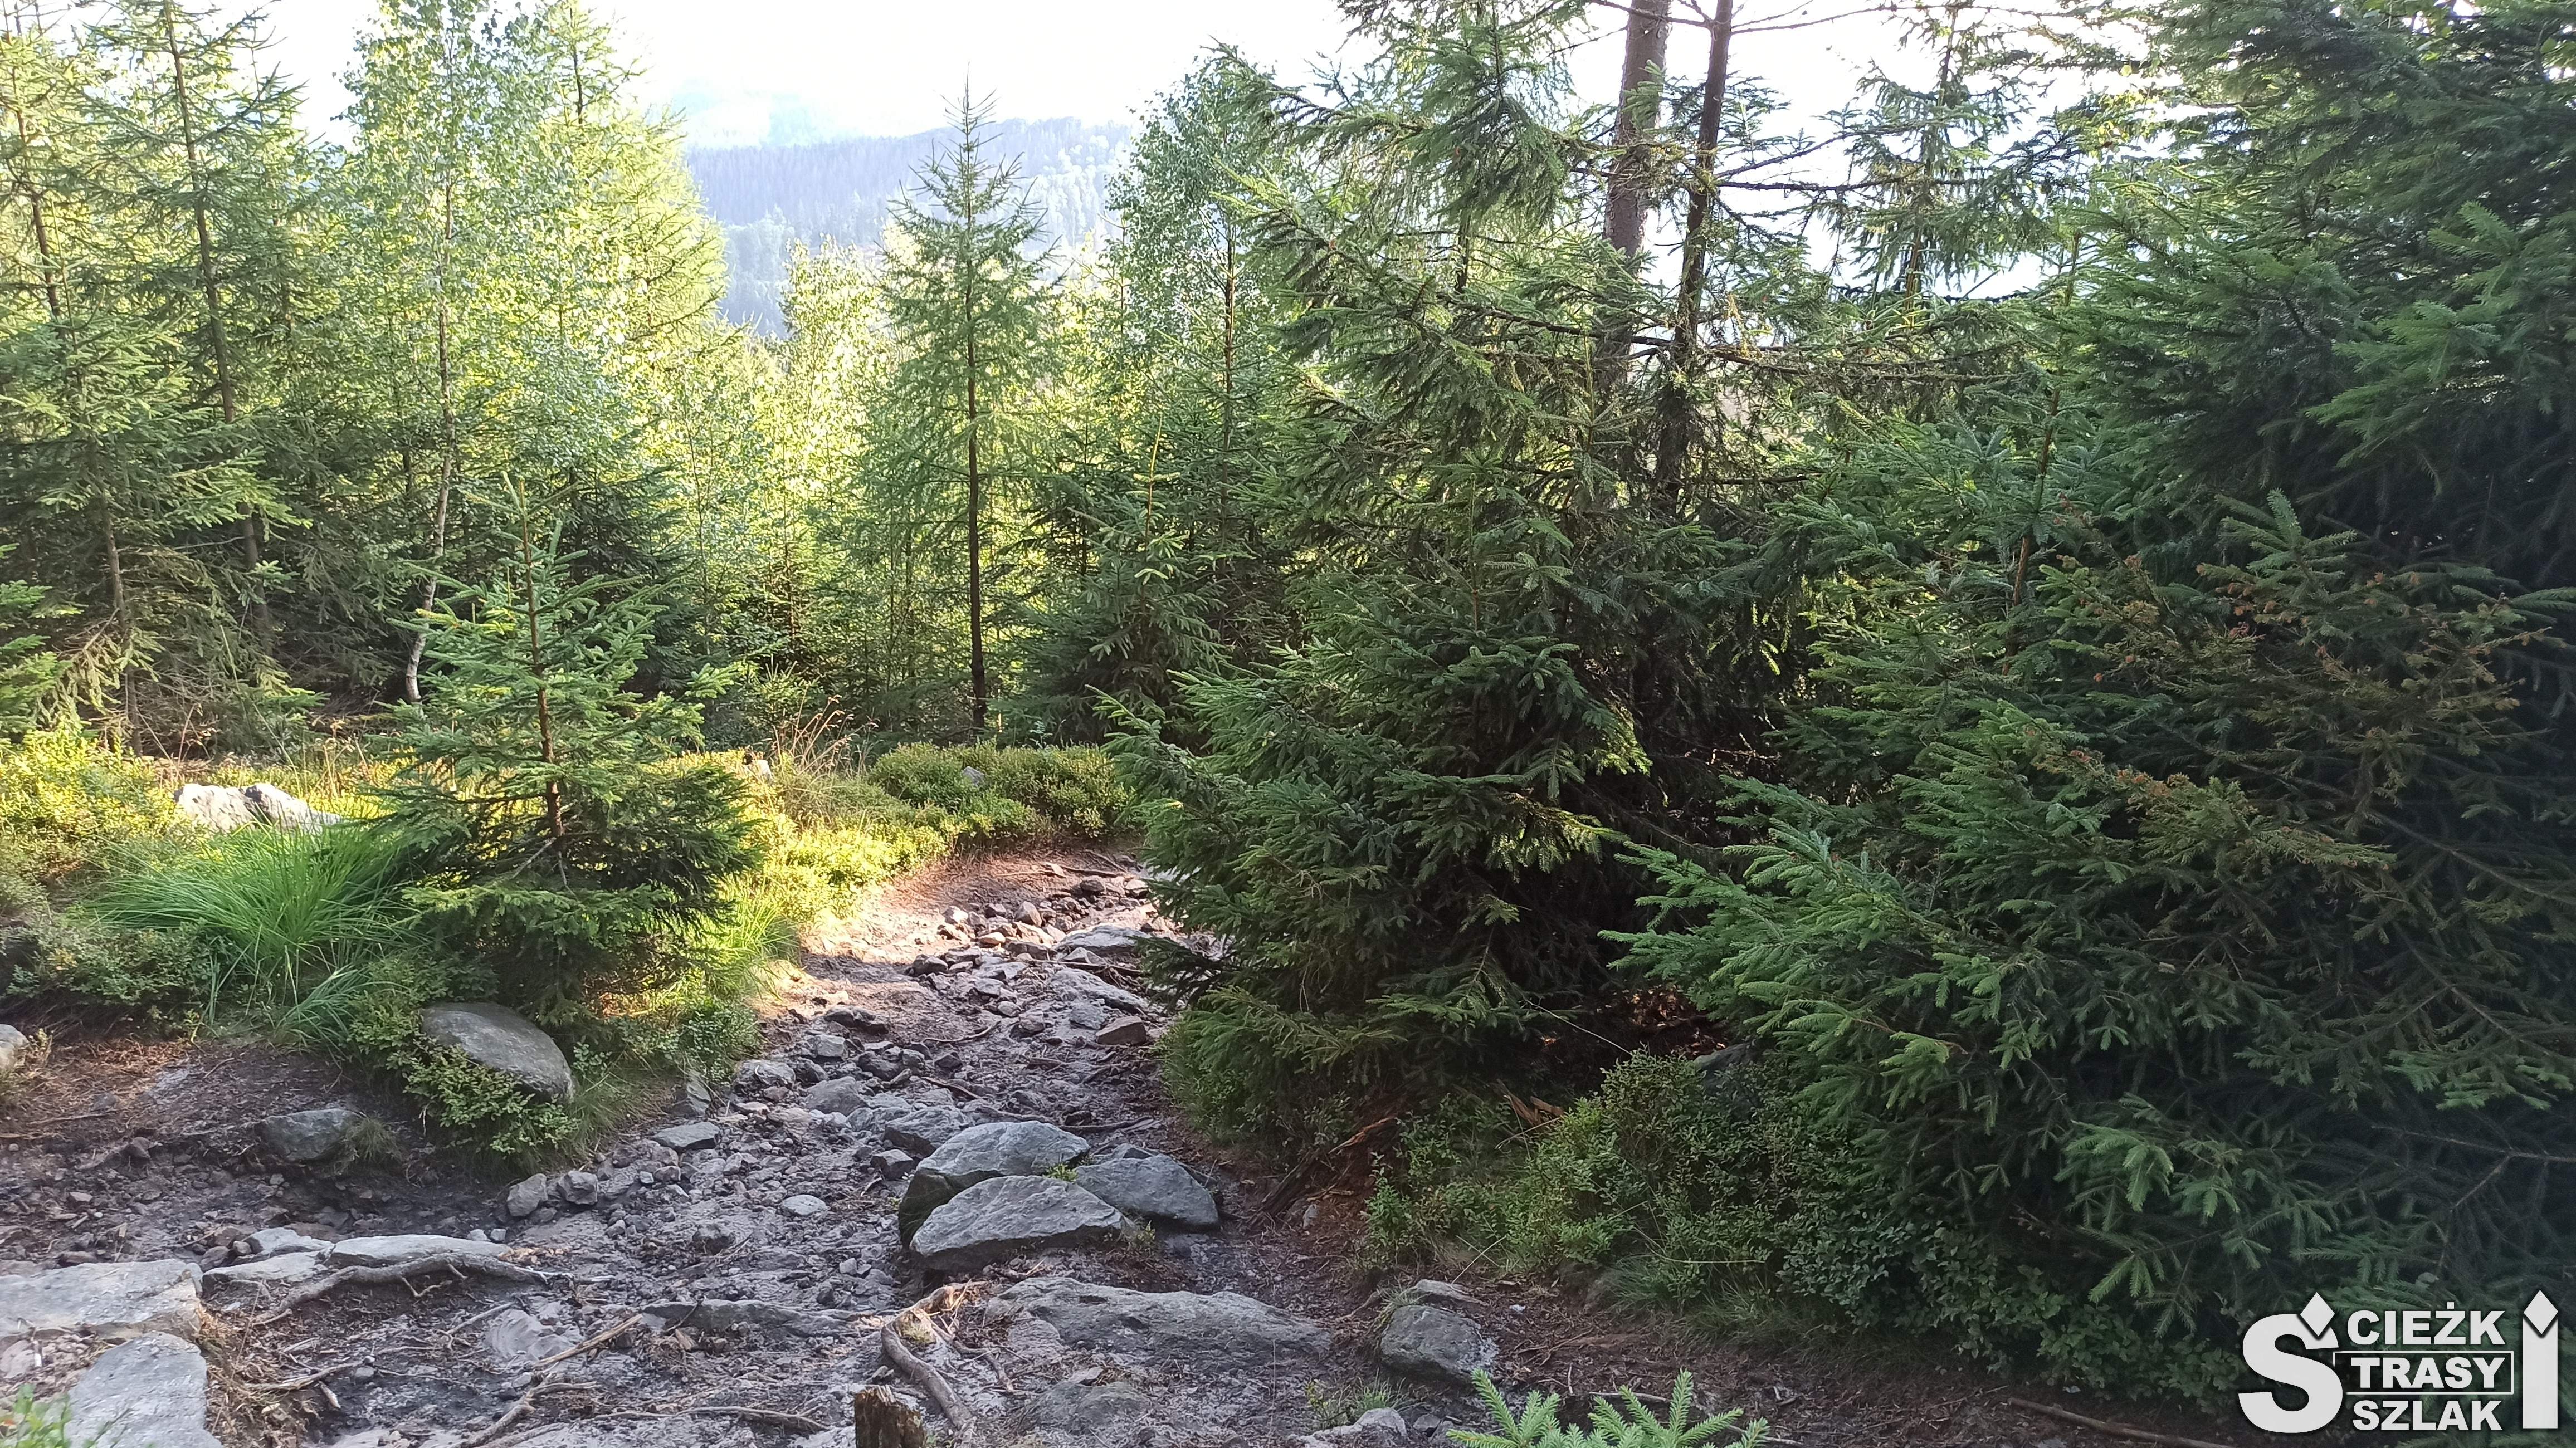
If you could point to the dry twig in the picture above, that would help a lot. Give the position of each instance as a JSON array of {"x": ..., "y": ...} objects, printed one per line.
[{"x": 899, "y": 1353}]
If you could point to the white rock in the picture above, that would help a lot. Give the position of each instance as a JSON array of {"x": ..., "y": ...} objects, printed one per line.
[
  {"x": 223, "y": 808},
  {"x": 149, "y": 1391},
  {"x": 283, "y": 1267},
  {"x": 802, "y": 1205},
  {"x": 394, "y": 1251},
  {"x": 13, "y": 1047}
]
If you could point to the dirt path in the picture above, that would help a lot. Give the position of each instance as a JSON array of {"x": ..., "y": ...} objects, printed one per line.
[{"x": 725, "y": 1274}]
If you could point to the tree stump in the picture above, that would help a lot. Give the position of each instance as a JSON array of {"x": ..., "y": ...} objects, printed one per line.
[{"x": 884, "y": 1422}]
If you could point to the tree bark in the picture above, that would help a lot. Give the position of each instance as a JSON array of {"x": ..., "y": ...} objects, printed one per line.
[
  {"x": 1679, "y": 423},
  {"x": 217, "y": 339},
  {"x": 1641, "y": 96}
]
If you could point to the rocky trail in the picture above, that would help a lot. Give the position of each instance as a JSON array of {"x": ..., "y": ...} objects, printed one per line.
[{"x": 951, "y": 1186}]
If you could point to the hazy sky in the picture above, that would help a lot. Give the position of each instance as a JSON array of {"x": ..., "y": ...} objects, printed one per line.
[{"x": 789, "y": 70}]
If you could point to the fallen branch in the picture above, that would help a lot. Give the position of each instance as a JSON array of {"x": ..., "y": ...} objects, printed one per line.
[
  {"x": 456, "y": 1262},
  {"x": 2116, "y": 1430},
  {"x": 898, "y": 1353},
  {"x": 610, "y": 1335}
]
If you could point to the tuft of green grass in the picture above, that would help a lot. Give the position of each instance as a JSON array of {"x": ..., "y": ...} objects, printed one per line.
[
  {"x": 1338, "y": 1407},
  {"x": 287, "y": 925}
]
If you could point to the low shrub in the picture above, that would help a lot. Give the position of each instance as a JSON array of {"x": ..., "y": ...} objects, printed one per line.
[
  {"x": 1713, "y": 1190},
  {"x": 70, "y": 804},
  {"x": 78, "y": 965},
  {"x": 1014, "y": 793}
]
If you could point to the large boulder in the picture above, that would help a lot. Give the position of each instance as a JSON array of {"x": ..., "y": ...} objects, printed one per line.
[
  {"x": 503, "y": 1040},
  {"x": 13, "y": 1048},
  {"x": 1434, "y": 1342},
  {"x": 1209, "y": 1330},
  {"x": 1155, "y": 1189},
  {"x": 981, "y": 1153},
  {"x": 1006, "y": 1217},
  {"x": 223, "y": 808},
  {"x": 108, "y": 1300},
  {"x": 150, "y": 1391}
]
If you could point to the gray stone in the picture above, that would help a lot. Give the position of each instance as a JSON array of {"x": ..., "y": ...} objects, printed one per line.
[
  {"x": 1208, "y": 1330},
  {"x": 1377, "y": 1428},
  {"x": 1125, "y": 1031},
  {"x": 281, "y": 1268},
  {"x": 526, "y": 1196},
  {"x": 395, "y": 1250},
  {"x": 578, "y": 1189},
  {"x": 268, "y": 1241},
  {"x": 921, "y": 1128},
  {"x": 150, "y": 1391},
  {"x": 1084, "y": 983},
  {"x": 1107, "y": 940},
  {"x": 1013, "y": 1216},
  {"x": 502, "y": 1040},
  {"x": 1097, "y": 1413},
  {"x": 824, "y": 1046},
  {"x": 311, "y": 1136},
  {"x": 846, "y": 1094},
  {"x": 1434, "y": 1342},
  {"x": 760, "y": 1073},
  {"x": 13, "y": 1048},
  {"x": 517, "y": 1339},
  {"x": 891, "y": 1162},
  {"x": 981, "y": 1153},
  {"x": 974, "y": 777},
  {"x": 802, "y": 1205},
  {"x": 110, "y": 1300},
  {"x": 688, "y": 1135},
  {"x": 1431, "y": 1289},
  {"x": 1156, "y": 1189}
]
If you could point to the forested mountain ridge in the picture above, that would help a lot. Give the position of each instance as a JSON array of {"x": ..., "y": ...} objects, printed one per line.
[{"x": 772, "y": 198}]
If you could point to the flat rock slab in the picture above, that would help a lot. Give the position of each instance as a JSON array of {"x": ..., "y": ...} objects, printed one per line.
[
  {"x": 151, "y": 1391},
  {"x": 1103, "y": 940},
  {"x": 112, "y": 1300},
  {"x": 502, "y": 1040},
  {"x": 394, "y": 1251},
  {"x": 981, "y": 1153},
  {"x": 1014, "y": 1216},
  {"x": 688, "y": 1135},
  {"x": 284, "y": 1267},
  {"x": 1219, "y": 1329},
  {"x": 1155, "y": 1189}
]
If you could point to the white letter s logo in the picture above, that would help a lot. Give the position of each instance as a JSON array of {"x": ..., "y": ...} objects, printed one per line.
[{"x": 2312, "y": 1326}]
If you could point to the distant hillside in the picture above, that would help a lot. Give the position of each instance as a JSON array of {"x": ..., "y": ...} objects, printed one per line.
[{"x": 771, "y": 197}]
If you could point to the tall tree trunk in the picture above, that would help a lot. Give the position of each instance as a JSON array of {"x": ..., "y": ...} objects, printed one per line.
[
  {"x": 1677, "y": 434},
  {"x": 217, "y": 339},
  {"x": 1641, "y": 97},
  {"x": 447, "y": 444},
  {"x": 537, "y": 670},
  {"x": 975, "y": 686}
]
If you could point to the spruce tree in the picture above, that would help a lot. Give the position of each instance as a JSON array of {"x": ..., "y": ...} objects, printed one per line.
[
  {"x": 952, "y": 449},
  {"x": 553, "y": 843}
]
